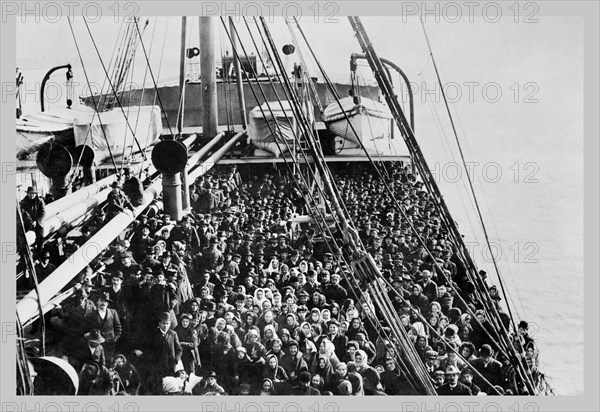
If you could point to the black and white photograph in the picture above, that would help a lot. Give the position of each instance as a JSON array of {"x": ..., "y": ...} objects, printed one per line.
[{"x": 287, "y": 201}]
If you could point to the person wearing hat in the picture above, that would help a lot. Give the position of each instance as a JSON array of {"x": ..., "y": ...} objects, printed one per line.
[
  {"x": 204, "y": 283},
  {"x": 76, "y": 314},
  {"x": 107, "y": 321},
  {"x": 33, "y": 209},
  {"x": 132, "y": 187},
  {"x": 163, "y": 295},
  {"x": 209, "y": 386},
  {"x": 212, "y": 257},
  {"x": 388, "y": 246},
  {"x": 186, "y": 232},
  {"x": 90, "y": 351},
  {"x": 161, "y": 351},
  {"x": 431, "y": 361},
  {"x": 43, "y": 268},
  {"x": 95, "y": 379},
  {"x": 488, "y": 368},
  {"x": 116, "y": 201},
  {"x": 141, "y": 242},
  {"x": 334, "y": 292},
  {"x": 303, "y": 387},
  {"x": 524, "y": 338},
  {"x": 338, "y": 339},
  {"x": 452, "y": 385},
  {"x": 439, "y": 376}
]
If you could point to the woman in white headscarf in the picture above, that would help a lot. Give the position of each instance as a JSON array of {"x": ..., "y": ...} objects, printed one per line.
[
  {"x": 371, "y": 381},
  {"x": 259, "y": 296},
  {"x": 326, "y": 349}
]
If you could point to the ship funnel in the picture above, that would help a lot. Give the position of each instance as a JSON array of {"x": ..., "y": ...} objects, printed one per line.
[
  {"x": 169, "y": 157},
  {"x": 55, "y": 162}
]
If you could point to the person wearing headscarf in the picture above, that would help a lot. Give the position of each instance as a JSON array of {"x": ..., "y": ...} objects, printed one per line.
[
  {"x": 269, "y": 336},
  {"x": 290, "y": 321},
  {"x": 285, "y": 337},
  {"x": 293, "y": 362},
  {"x": 335, "y": 311},
  {"x": 325, "y": 317},
  {"x": 252, "y": 337},
  {"x": 267, "y": 388},
  {"x": 367, "y": 346},
  {"x": 417, "y": 298},
  {"x": 242, "y": 369},
  {"x": 327, "y": 349},
  {"x": 276, "y": 373},
  {"x": 317, "y": 382},
  {"x": 259, "y": 296},
  {"x": 322, "y": 366},
  {"x": 188, "y": 339},
  {"x": 354, "y": 328},
  {"x": 129, "y": 377},
  {"x": 421, "y": 345},
  {"x": 371, "y": 380},
  {"x": 306, "y": 346}
]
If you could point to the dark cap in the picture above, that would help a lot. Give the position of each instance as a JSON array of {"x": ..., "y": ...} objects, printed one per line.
[{"x": 118, "y": 274}]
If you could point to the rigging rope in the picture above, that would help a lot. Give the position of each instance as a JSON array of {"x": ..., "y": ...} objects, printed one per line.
[
  {"x": 111, "y": 84},
  {"x": 162, "y": 53},
  {"x": 467, "y": 173},
  {"x": 162, "y": 107},
  {"x": 92, "y": 95}
]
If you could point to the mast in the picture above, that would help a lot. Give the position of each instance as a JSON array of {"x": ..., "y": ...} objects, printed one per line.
[
  {"x": 238, "y": 76},
  {"x": 208, "y": 78},
  {"x": 181, "y": 75}
]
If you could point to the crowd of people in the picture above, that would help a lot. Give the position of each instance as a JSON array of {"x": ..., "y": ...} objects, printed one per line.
[{"x": 239, "y": 298}]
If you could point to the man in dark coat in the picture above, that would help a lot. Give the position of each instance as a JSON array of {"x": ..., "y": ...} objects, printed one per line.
[
  {"x": 76, "y": 314},
  {"x": 186, "y": 233},
  {"x": 489, "y": 368},
  {"x": 161, "y": 353},
  {"x": 108, "y": 322},
  {"x": 338, "y": 339},
  {"x": 133, "y": 188},
  {"x": 428, "y": 285},
  {"x": 452, "y": 385},
  {"x": 212, "y": 257},
  {"x": 334, "y": 292},
  {"x": 116, "y": 201},
  {"x": 88, "y": 350},
  {"x": 34, "y": 210},
  {"x": 44, "y": 267}
]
